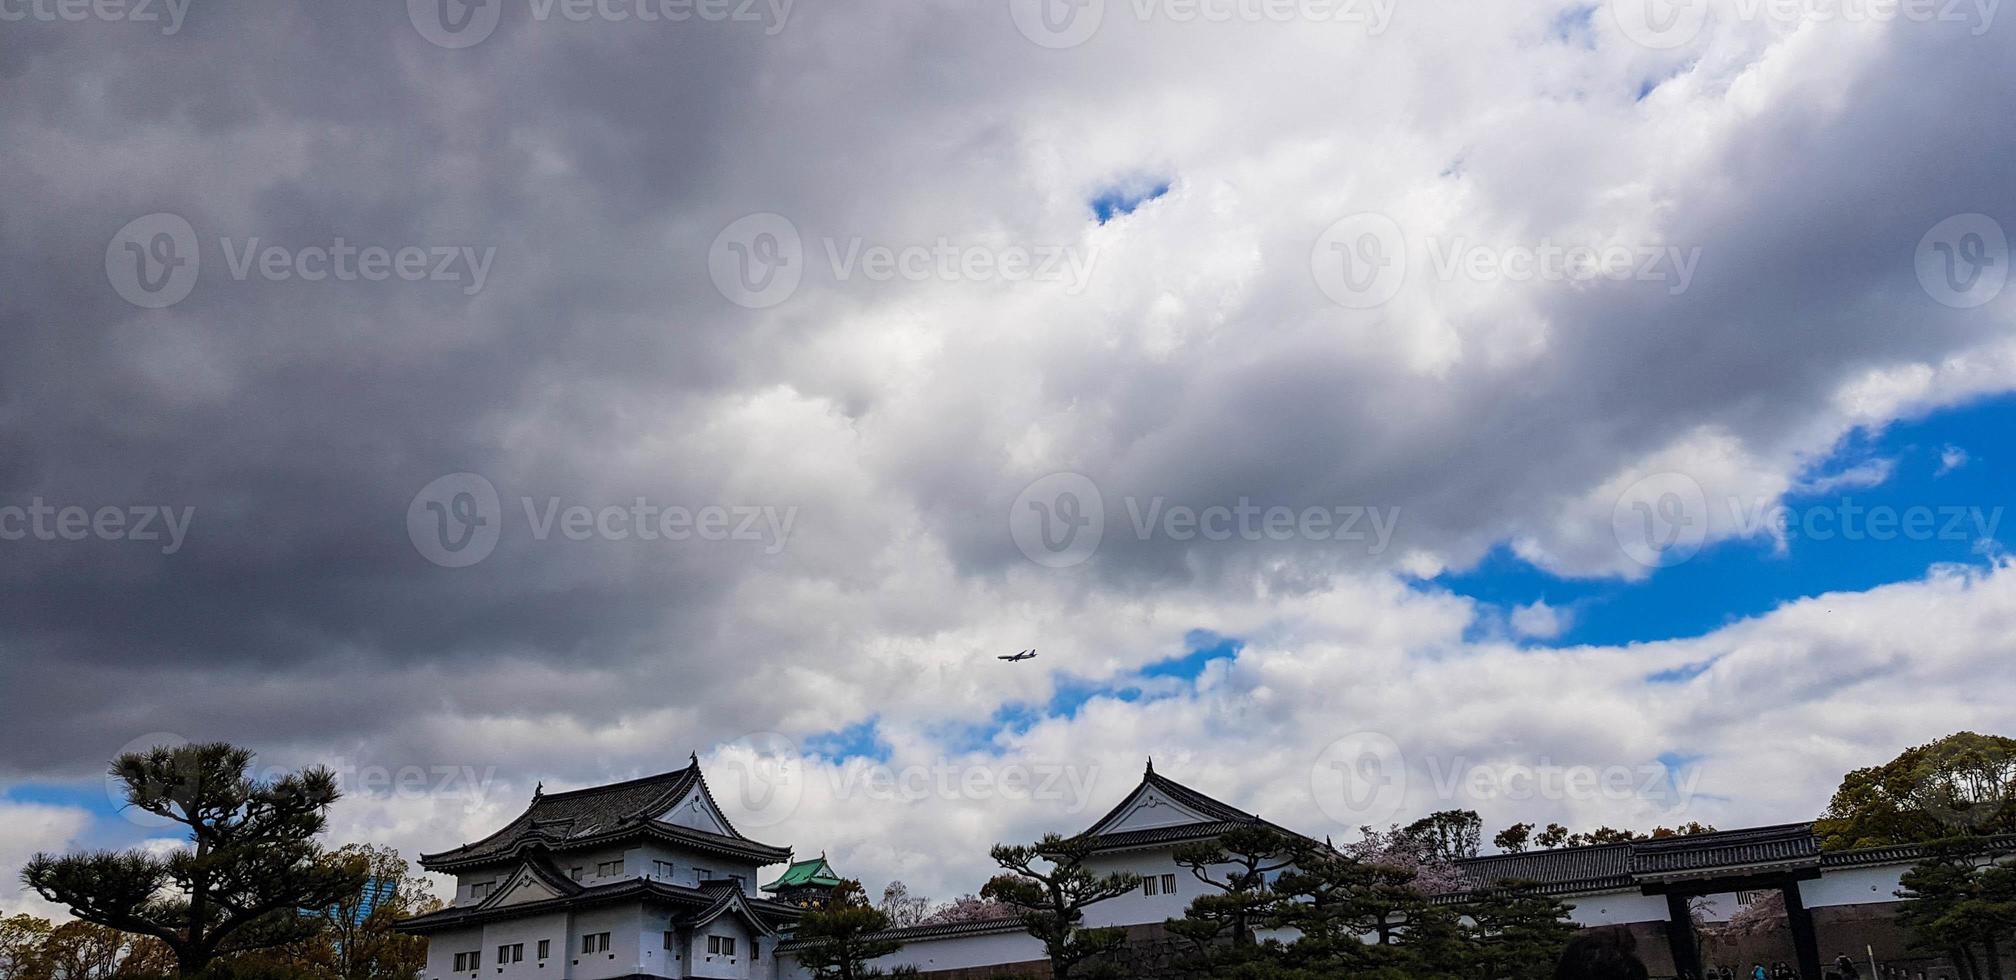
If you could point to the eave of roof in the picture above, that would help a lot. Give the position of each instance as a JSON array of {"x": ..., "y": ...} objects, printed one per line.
[
  {"x": 1617, "y": 867},
  {"x": 640, "y": 889},
  {"x": 914, "y": 934}
]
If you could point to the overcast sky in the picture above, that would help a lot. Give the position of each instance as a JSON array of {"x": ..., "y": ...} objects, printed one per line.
[{"x": 1361, "y": 406}]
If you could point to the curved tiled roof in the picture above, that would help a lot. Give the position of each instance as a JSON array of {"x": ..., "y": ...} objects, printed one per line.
[{"x": 605, "y": 814}]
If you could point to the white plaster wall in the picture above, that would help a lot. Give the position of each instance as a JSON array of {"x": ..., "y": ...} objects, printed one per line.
[
  {"x": 1614, "y": 908},
  {"x": 625, "y": 926},
  {"x": 441, "y": 950},
  {"x": 946, "y": 954},
  {"x": 529, "y": 930},
  {"x": 1853, "y": 886},
  {"x": 1136, "y": 908},
  {"x": 737, "y": 967}
]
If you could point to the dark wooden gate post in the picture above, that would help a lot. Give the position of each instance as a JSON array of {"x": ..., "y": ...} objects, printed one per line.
[
  {"x": 1680, "y": 937},
  {"x": 1804, "y": 941}
]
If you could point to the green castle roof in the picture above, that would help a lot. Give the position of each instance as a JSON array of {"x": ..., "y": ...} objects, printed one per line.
[{"x": 814, "y": 873}]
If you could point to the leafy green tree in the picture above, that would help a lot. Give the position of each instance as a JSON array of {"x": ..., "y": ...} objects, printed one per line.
[
  {"x": 1447, "y": 836},
  {"x": 1513, "y": 839},
  {"x": 1236, "y": 864},
  {"x": 251, "y": 868},
  {"x": 1516, "y": 932},
  {"x": 844, "y": 936},
  {"x": 1962, "y": 784},
  {"x": 1552, "y": 837},
  {"x": 1963, "y": 906},
  {"x": 1049, "y": 887}
]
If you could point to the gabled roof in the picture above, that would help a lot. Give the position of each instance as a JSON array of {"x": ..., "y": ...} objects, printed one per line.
[
  {"x": 815, "y": 873},
  {"x": 1215, "y": 817},
  {"x": 731, "y": 900},
  {"x": 606, "y": 814}
]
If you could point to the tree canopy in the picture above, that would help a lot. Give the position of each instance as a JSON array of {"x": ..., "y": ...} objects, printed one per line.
[
  {"x": 1964, "y": 783},
  {"x": 251, "y": 868}
]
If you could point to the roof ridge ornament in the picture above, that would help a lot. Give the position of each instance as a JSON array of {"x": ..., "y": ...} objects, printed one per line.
[
  {"x": 1151, "y": 765},
  {"x": 539, "y": 790}
]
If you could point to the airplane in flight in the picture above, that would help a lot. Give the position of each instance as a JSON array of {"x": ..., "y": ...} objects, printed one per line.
[{"x": 1029, "y": 654}]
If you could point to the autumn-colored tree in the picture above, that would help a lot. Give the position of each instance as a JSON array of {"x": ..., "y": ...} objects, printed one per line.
[{"x": 22, "y": 938}]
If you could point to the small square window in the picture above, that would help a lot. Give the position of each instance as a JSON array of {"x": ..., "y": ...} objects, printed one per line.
[
  {"x": 1149, "y": 886},
  {"x": 545, "y": 948},
  {"x": 1168, "y": 884}
]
